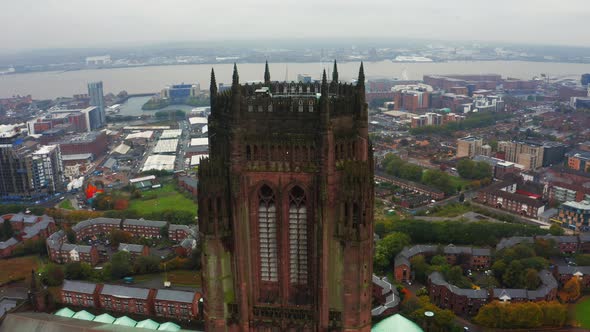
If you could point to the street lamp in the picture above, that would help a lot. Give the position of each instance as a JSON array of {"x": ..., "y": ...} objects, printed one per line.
[{"x": 429, "y": 318}]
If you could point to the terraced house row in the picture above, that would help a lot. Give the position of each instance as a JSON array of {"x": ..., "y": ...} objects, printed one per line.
[
  {"x": 172, "y": 304},
  {"x": 473, "y": 258},
  {"x": 60, "y": 251},
  {"x": 466, "y": 301},
  {"x": 25, "y": 227}
]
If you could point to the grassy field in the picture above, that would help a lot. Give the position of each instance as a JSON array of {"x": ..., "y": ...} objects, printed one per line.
[
  {"x": 165, "y": 198},
  {"x": 188, "y": 278},
  {"x": 17, "y": 268},
  {"x": 66, "y": 204},
  {"x": 582, "y": 313}
]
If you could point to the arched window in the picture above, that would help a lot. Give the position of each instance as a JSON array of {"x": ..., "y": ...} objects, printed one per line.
[
  {"x": 267, "y": 223},
  {"x": 297, "y": 236}
]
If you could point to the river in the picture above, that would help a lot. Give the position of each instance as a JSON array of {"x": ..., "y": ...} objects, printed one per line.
[{"x": 44, "y": 85}]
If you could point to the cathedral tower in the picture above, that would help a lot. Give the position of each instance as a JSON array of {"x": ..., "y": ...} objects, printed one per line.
[{"x": 286, "y": 207}]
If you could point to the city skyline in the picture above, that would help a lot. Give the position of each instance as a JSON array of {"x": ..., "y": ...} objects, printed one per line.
[{"x": 110, "y": 23}]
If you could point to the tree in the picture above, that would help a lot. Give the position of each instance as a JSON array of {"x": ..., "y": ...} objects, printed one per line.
[
  {"x": 78, "y": 271},
  {"x": 439, "y": 180},
  {"x": 121, "y": 264},
  {"x": 420, "y": 268},
  {"x": 531, "y": 279},
  {"x": 147, "y": 264},
  {"x": 71, "y": 235},
  {"x": 117, "y": 236},
  {"x": 438, "y": 260},
  {"x": 411, "y": 172},
  {"x": 54, "y": 275},
  {"x": 513, "y": 277},
  {"x": 555, "y": 229},
  {"x": 388, "y": 248},
  {"x": 554, "y": 313},
  {"x": 7, "y": 231},
  {"x": 571, "y": 290},
  {"x": 473, "y": 170},
  {"x": 121, "y": 204}
]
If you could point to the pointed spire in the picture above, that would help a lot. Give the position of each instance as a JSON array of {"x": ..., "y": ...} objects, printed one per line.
[
  {"x": 324, "y": 83},
  {"x": 266, "y": 73},
  {"x": 361, "y": 79},
  {"x": 213, "y": 86},
  {"x": 335, "y": 73},
  {"x": 235, "y": 77}
]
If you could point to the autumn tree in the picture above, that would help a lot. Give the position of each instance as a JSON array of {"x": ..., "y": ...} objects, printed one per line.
[
  {"x": 531, "y": 279},
  {"x": 117, "y": 236},
  {"x": 571, "y": 290}
]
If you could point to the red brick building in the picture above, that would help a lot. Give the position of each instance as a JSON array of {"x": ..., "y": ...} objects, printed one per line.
[
  {"x": 129, "y": 300},
  {"x": 460, "y": 301},
  {"x": 80, "y": 294},
  {"x": 565, "y": 273},
  {"x": 502, "y": 195},
  {"x": 144, "y": 228},
  {"x": 178, "y": 233},
  {"x": 190, "y": 184},
  {"x": 135, "y": 250},
  {"x": 69, "y": 253},
  {"x": 566, "y": 244},
  {"x": 7, "y": 247},
  {"x": 180, "y": 305},
  {"x": 91, "y": 227},
  {"x": 467, "y": 257}
]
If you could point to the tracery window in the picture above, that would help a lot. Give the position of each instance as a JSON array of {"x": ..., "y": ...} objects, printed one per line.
[
  {"x": 297, "y": 236},
  {"x": 267, "y": 223}
]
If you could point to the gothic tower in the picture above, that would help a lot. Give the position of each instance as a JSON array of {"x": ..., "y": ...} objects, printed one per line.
[{"x": 286, "y": 207}]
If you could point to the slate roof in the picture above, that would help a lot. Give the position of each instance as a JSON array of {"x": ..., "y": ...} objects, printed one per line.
[
  {"x": 438, "y": 279},
  {"x": 567, "y": 269},
  {"x": 55, "y": 240},
  {"x": 512, "y": 241},
  {"x": 35, "y": 229},
  {"x": 175, "y": 295},
  {"x": 560, "y": 239},
  {"x": 86, "y": 223},
  {"x": 456, "y": 250},
  {"x": 125, "y": 292},
  {"x": 519, "y": 293},
  {"x": 143, "y": 222},
  {"x": 8, "y": 243},
  {"x": 79, "y": 287},
  {"x": 79, "y": 248},
  {"x": 481, "y": 252}
]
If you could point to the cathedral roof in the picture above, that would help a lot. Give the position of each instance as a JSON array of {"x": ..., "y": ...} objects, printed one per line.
[{"x": 396, "y": 323}]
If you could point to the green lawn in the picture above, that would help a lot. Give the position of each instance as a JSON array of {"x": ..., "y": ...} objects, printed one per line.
[
  {"x": 165, "y": 198},
  {"x": 582, "y": 312},
  {"x": 187, "y": 278},
  {"x": 66, "y": 204}
]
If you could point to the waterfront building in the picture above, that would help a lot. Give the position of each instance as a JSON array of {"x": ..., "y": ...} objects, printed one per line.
[{"x": 97, "y": 99}]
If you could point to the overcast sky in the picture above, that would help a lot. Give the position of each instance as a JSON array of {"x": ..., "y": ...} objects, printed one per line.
[{"x": 83, "y": 23}]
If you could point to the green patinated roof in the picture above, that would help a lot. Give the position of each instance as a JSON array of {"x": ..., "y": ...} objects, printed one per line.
[
  {"x": 148, "y": 324},
  {"x": 168, "y": 326},
  {"x": 104, "y": 318},
  {"x": 83, "y": 314},
  {"x": 125, "y": 321},
  {"x": 65, "y": 312},
  {"x": 396, "y": 323}
]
